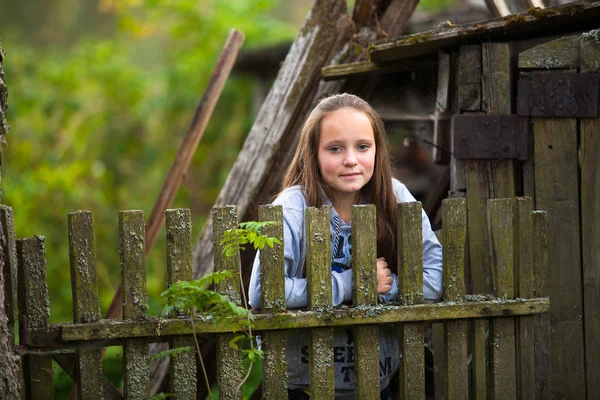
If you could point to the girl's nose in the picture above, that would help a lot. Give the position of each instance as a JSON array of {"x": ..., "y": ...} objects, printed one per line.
[{"x": 350, "y": 159}]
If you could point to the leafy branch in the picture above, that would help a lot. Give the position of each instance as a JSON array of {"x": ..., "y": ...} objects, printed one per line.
[{"x": 191, "y": 297}]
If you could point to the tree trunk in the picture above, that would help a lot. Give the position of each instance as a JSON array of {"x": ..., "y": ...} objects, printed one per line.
[{"x": 10, "y": 372}]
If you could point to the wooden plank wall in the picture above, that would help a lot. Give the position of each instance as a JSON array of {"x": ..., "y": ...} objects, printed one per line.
[
  {"x": 556, "y": 147},
  {"x": 589, "y": 152}
]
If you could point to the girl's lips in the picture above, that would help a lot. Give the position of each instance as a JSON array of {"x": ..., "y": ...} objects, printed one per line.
[{"x": 351, "y": 175}]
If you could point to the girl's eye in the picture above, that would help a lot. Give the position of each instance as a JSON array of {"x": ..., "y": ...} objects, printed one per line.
[
  {"x": 363, "y": 147},
  {"x": 335, "y": 149}
]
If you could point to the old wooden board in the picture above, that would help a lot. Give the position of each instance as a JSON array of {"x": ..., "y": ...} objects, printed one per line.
[
  {"x": 524, "y": 277},
  {"x": 442, "y": 122},
  {"x": 497, "y": 95},
  {"x": 589, "y": 153},
  {"x": 229, "y": 360},
  {"x": 566, "y": 18},
  {"x": 557, "y": 192},
  {"x": 272, "y": 289},
  {"x": 456, "y": 343},
  {"x": 364, "y": 293},
  {"x": 503, "y": 379},
  {"x": 318, "y": 276},
  {"x": 558, "y": 53},
  {"x": 34, "y": 304},
  {"x": 136, "y": 372},
  {"x": 542, "y": 326},
  {"x": 343, "y": 71},
  {"x": 86, "y": 303},
  {"x": 159, "y": 329},
  {"x": 410, "y": 291},
  {"x": 178, "y": 224}
]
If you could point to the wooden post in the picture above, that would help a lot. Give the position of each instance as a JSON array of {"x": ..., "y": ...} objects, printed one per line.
[
  {"x": 590, "y": 221},
  {"x": 86, "y": 304},
  {"x": 318, "y": 276},
  {"x": 364, "y": 293},
  {"x": 456, "y": 351},
  {"x": 179, "y": 268},
  {"x": 524, "y": 290},
  {"x": 229, "y": 361},
  {"x": 557, "y": 192},
  {"x": 34, "y": 305},
  {"x": 9, "y": 250},
  {"x": 410, "y": 291},
  {"x": 272, "y": 278},
  {"x": 136, "y": 374},
  {"x": 503, "y": 383},
  {"x": 542, "y": 321}
]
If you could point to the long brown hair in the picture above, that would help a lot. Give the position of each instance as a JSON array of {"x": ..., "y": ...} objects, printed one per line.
[{"x": 304, "y": 170}]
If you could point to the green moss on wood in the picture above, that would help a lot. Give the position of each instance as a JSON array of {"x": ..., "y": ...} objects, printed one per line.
[
  {"x": 542, "y": 12},
  {"x": 318, "y": 257},
  {"x": 364, "y": 248},
  {"x": 33, "y": 297},
  {"x": 514, "y": 19},
  {"x": 178, "y": 223},
  {"x": 344, "y": 316},
  {"x": 457, "y": 363},
  {"x": 136, "y": 369},
  {"x": 366, "y": 363},
  {"x": 453, "y": 252},
  {"x": 82, "y": 255},
  {"x": 501, "y": 228},
  {"x": 133, "y": 264},
  {"x": 183, "y": 369},
  {"x": 225, "y": 218},
  {"x": 412, "y": 364},
  {"x": 571, "y": 9},
  {"x": 410, "y": 262}
]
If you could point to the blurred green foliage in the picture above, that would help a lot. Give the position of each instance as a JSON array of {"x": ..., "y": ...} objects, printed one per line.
[{"x": 96, "y": 125}]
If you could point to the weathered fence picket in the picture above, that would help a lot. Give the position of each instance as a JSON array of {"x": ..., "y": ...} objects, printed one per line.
[
  {"x": 178, "y": 225},
  {"x": 86, "y": 303},
  {"x": 229, "y": 362},
  {"x": 136, "y": 372},
  {"x": 272, "y": 278},
  {"x": 518, "y": 238},
  {"x": 410, "y": 292},
  {"x": 524, "y": 289},
  {"x": 318, "y": 276},
  {"x": 542, "y": 328},
  {"x": 455, "y": 332},
  {"x": 503, "y": 383},
  {"x": 34, "y": 306},
  {"x": 364, "y": 294}
]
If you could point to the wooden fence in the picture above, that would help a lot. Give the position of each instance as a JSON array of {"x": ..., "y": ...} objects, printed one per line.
[{"x": 513, "y": 315}]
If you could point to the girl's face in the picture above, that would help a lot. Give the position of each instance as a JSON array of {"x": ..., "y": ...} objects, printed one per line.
[{"x": 346, "y": 153}]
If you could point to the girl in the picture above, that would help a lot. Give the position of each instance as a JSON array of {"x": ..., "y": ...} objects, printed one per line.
[{"x": 342, "y": 160}]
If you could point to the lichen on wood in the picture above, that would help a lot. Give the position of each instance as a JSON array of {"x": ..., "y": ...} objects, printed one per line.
[
  {"x": 318, "y": 276},
  {"x": 136, "y": 372},
  {"x": 229, "y": 360},
  {"x": 364, "y": 293},
  {"x": 178, "y": 224},
  {"x": 272, "y": 278}
]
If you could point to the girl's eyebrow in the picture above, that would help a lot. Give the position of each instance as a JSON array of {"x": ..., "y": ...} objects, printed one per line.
[{"x": 341, "y": 141}]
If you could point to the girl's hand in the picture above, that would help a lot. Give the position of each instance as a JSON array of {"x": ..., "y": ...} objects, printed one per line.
[{"x": 384, "y": 277}]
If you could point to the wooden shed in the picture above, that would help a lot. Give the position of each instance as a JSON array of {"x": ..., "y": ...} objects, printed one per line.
[{"x": 515, "y": 113}]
